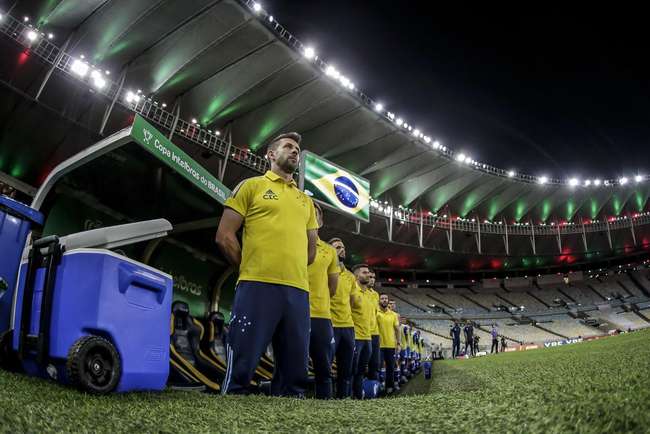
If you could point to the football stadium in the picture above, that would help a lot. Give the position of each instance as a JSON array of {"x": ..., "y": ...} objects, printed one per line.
[{"x": 206, "y": 225}]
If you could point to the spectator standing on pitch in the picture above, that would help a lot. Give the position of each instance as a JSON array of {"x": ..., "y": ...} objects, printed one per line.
[
  {"x": 389, "y": 340},
  {"x": 495, "y": 339},
  {"x": 343, "y": 324},
  {"x": 476, "y": 340},
  {"x": 271, "y": 299},
  {"x": 468, "y": 330},
  {"x": 375, "y": 355},
  {"x": 323, "y": 280},
  {"x": 363, "y": 309},
  {"x": 454, "y": 332},
  {"x": 504, "y": 344}
]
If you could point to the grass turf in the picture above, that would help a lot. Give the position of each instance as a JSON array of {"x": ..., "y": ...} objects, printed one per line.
[{"x": 599, "y": 386}]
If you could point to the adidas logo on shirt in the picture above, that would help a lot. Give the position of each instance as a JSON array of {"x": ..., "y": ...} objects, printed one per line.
[{"x": 270, "y": 195}]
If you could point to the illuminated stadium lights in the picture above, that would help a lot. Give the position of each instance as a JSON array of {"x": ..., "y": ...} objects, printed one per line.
[
  {"x": 379, "y": 107},
  {"x": 390, "y": 115},
  {"x": 132, "y": 97},
  {"x": 427, "y": 139},
  {"x": 597, "y": 182},
  {"x": 638, "y": 178},
  {"x": 25, "y": 19},
  {"x": 460, "y": 158},
  {"x": 436, "y": 145},
  {"x": 271, "y": 18},
  {"x": 50, "y": 36},
  {"x": 257, "y": 7},
  {"x": 416, "y": 132},
  {"x": 194, "y": 121},
  {"x": 309, "y": 53},
  {"x": 511, "y": 173},
  {"x": 587, "y": 182},
  {"x": 164, "y": 105},
  {"x": 98, "y": 81},
  {"x": 32, "y": 35},
  {"x": 331, "y": 71},
  {"x": 623, "y": 180},
  {"x": 573, "y": 182},
  {"x": 80, "y": 68},
  {"x": 399, "y": 122},
  {"x": 542, "y": 179}
]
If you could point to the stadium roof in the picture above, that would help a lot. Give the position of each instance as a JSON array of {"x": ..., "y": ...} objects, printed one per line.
[{"x": 233, "y": 69}]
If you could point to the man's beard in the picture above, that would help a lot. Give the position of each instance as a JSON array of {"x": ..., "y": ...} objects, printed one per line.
[{"x": 287, "y": 166}]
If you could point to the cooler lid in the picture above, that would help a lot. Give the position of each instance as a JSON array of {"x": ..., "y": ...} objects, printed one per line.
[{"x": 21, "y": 210}]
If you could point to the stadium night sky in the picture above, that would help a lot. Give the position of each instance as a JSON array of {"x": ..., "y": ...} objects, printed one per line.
[{"x": 540, "y": 92}]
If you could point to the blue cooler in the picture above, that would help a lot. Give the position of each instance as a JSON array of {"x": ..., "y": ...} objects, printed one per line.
[
  {"x": 16, "y": 221},
  {"x": 92, "y": 318}
]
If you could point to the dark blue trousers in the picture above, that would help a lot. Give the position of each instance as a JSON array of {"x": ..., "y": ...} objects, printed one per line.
[
  {"x": 321, "y": 349},
  {"x": 362, "y": 351},
  {"x": 375, "y": 359},
  {"x": 344, "y": 352},
  {"x": 388, "y": 357},
  {"x": 455, "y": 350},
  {"x": 264, "y": 313}
]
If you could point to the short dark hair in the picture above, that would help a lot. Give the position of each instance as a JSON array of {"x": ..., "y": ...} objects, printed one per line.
[
  {"x": 333, "y": 240},
  {"x": 356, "y": 267},
  {"x": 273, "y": 144}
]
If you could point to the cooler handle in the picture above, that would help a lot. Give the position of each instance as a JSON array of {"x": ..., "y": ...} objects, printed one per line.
[{"x": 130, "y": 274}]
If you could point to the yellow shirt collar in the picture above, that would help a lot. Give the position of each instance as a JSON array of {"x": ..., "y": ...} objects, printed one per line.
[{"x": 275, "y": 177}]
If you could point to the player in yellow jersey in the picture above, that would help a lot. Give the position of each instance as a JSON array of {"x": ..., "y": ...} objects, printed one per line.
[
  {"x": 389, "y": 340},
  {"x": 374, "y": 363},
  {"x": 342, "y": 323},
  {"x": 323, "y": 279},
  {"x": 363, "y": 311},
  {"x": 272, "y": 296}
]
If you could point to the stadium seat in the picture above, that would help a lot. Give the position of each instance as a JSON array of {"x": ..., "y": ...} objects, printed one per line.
[{"x": 187, "y": 360}]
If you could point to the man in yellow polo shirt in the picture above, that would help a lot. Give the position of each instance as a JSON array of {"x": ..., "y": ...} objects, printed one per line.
[
  {"x": 363, "y": 311},
  {"x": 389, "y": 340},
  {"x": 342, "y": 323},
  {"x": 272, "y": 297},
  {"x": 374, "y": 362},
  {"x": 323, "y": 279}
]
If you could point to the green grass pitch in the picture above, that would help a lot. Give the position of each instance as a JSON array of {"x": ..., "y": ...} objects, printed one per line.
[{"x": 593, "y": 387}]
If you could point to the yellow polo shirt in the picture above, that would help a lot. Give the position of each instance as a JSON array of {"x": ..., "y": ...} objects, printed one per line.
[
  {"x": 386, "y": 322},
  {"x": 325, "y": 263},
  {"x": 340, "y": 303},
  {"x": 363, "y": 314},
  {"x": 374, "y": 329},
  {"x": 277, "y": 216}
]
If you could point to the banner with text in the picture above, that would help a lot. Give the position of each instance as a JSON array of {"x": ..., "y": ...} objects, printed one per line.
[{"x": 160, "y": 146}]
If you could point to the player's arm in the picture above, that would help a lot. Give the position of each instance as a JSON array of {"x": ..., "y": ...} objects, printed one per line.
[
  {"x": 355, "y": 296},
  {"x": 230, "y": 223},
  {"x": 312, "y": 237},
  {"x": 332, "y": 283}
]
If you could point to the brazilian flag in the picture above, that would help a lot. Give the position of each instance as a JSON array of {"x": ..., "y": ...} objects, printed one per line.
[{"x": 332, "y": 185}]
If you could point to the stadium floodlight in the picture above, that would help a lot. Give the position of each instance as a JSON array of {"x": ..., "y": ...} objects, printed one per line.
[
  {"x": 50, "y": 36},
  {"x": 587, "y": 182},
  {"x": 399, "y": 122},
  {"x": 332, "y": 72},
  {"x": 468, "y": 160},
  {"x": 132, "y": 97},
  {"x": 416, "y": 132},
  {"x": 597, "y": 182},
  {"x": 573, "y": 182},
  {"x": 99, "y": 82},
  {"x": 379, "y": 107},
  {"x": 218, "y": 133},
  {"x": 460, "y": 157},
  {"x": 271, "y": 18},
  {"x": 32, "y": 35},
  {"x": 542, "y": 179},
  {"x": 427, "y": 139},
  {"x": 164, "y": 105},
  {"x": 80, "y": 68},
  {"x": 194, "y": 121},
  {"x": 623, "y": 180},
  {"x": 638, "y": 178},
  {"x": 1, "y": 17},
  {"x": 390, "y": 115},
  {"x": 257, "y": 7},
  {"x": 309, "y": 53},
  {"x": 511, "y": 173},
  {"x": 26, "y": 18},
  {"x": 436, "y": 145}
]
